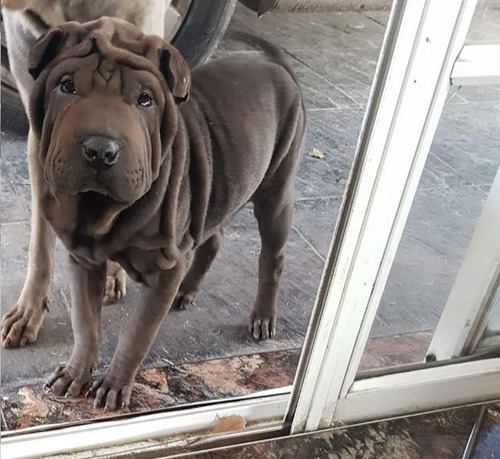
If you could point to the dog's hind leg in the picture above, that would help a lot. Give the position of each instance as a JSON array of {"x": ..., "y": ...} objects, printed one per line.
[
  {"x": 274, "y": 215},
  {"x": 203, "y": 258},
  {"x": 273, "y": 208}
]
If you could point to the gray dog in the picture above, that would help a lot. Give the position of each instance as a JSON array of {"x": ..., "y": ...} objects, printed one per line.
[{"x": 144, "y": 164}]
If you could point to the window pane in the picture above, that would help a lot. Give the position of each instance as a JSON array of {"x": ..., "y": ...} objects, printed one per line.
[{"x": 205, "y": 353}]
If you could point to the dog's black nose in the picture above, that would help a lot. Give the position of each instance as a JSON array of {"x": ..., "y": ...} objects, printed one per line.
[{"x": 102, "y": 152}]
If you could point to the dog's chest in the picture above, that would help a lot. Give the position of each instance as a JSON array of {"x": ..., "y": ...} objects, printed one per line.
[{"x": 142, "y": 265}]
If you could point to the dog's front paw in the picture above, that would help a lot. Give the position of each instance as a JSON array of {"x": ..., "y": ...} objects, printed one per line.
[
  {"x": 116, "y": 283},
  {"x": 262, "y": 326},
  {"x": 21, "y": 324},
  {"x": 111, "y": 392},
  {"x": 68, "y": 380}
]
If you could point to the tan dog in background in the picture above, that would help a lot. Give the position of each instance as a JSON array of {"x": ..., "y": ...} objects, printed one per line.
[{"x": 24, "y": 22}]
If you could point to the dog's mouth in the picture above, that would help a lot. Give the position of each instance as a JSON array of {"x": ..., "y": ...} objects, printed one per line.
[
  {"x": 98, "y": 200},
  {"x": 108, "y": 190},
  {"x": 95, "y": 186},
  {"x": 99, "y": 193},
  {"x": 102, "y": 187},
  {"x": 100, "y": 211},
  {"x": 123, "y": 183}
]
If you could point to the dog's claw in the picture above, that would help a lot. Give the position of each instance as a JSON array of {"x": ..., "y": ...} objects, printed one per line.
[
  {"x": 264, "y": 329},
  {"x": 256, "y": 329}
]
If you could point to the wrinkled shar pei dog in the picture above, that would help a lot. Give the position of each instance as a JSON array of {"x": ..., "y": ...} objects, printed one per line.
[{"x": 143, "y": 164}]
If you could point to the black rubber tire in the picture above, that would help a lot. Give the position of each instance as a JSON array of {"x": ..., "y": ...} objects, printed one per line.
[
  {"x": 13, "y": 116},
  {"x": 203, "y": 26}
]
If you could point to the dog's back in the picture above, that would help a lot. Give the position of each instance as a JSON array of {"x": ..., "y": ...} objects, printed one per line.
[{"x": 249, "y": 111}]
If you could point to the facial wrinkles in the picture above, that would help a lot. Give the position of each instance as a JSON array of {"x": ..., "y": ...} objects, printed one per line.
[
  {"x": 107, "y": 75},
  {"x": 50, "y": 142},
  {"x": 148, "y": 125}
]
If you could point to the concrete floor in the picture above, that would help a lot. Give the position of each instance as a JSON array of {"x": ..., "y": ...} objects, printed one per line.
[{"x": 334, "y": 55}]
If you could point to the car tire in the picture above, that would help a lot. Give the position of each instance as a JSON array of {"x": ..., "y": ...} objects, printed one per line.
[{"x": 202, "y": 27}]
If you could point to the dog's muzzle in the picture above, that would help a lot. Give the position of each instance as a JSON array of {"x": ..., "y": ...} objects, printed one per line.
[{"x": 101, "y": 152}]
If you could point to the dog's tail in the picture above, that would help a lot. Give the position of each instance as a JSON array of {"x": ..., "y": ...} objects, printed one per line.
[{"x": 273, "y": 52}]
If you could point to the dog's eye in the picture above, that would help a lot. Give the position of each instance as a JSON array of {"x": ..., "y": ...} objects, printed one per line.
[
  {"x": 67, "y": 85},
  {"x": 144, "y": 100}
]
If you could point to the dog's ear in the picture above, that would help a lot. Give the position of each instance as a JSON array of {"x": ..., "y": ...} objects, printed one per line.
[
  {"x": 45, "y": 50},
  {"x": 176, "y": 72}
]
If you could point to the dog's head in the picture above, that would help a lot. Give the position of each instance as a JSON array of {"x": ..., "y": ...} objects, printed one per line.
[{"x": 105, "y": 106}]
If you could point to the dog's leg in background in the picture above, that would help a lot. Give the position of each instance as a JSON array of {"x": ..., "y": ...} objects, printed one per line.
[
  {"x": 113, "y": 390},
  {"x": 203, "y": 258},
  {"x": 87, "y": 287},
  {"x": 21, "y": 324}
]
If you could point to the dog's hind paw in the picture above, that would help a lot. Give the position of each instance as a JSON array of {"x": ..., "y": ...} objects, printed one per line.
[
  {"x": 184, "y": 300},
  {"x": 116, "y": 283}
]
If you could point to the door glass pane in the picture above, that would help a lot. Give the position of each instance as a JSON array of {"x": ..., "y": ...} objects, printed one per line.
[
  {"x": 205, "y": 353},
  {"x": 461, "y": 166},
  {"x": 462, "y": 163}
]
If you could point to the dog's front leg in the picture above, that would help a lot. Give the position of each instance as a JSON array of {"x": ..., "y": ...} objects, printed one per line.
[
  {"x": 114, "y": 389},
  {"x": 21, "y": 324},
  {"x": 87, "y": 287}
]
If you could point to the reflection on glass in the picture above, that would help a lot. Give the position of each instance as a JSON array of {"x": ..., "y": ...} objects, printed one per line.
[{"x": 485, "y": 27}]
